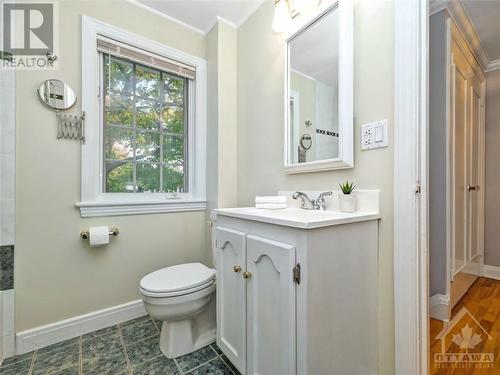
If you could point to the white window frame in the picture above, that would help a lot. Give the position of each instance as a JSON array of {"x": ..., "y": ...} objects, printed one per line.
[{"x": 94, "y": 202}]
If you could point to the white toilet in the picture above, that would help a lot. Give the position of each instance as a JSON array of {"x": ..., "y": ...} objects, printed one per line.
[{"x": 183, "y": 297}]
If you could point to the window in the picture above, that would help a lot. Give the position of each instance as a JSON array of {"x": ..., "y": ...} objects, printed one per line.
[
  {"x": 145, "y": 128},
  {"x": 145, "y": 146}
]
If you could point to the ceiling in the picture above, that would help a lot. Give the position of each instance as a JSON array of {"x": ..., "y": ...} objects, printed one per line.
[
  {"x": 201, "y": 15},
  {"x": 484, "y": 15},
  {"x": 317, "y": 60}
]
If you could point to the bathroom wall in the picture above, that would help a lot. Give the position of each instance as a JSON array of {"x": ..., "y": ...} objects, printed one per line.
[
  {"x": 306, "y": 88},
  {"x": 260, "y": 130},
  {"x": 7, "y": 206},
  {"x": 492, "y": 192},
  {"x": 57, "y": 275}
]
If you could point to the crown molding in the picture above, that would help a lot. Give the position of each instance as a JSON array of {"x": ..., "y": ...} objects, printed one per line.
[
  {"x": 493, "y": 65},
  {"x": 456, "y": 11}
]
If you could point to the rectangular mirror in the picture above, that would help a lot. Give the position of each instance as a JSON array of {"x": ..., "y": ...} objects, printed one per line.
[{"x": 319, "y": 92}]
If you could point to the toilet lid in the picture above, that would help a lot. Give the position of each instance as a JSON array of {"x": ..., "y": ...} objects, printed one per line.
[{"x": 177, "y": 278}]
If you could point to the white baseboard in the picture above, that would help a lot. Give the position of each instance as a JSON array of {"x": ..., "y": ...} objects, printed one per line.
[
  {"x": 49, "y": 334},
  {"x": 492, "y": 272},
  {"x": 439, "y": 307}
]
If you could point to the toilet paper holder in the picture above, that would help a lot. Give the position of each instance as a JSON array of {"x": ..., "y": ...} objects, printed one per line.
[{"x": 113, "y": 232}]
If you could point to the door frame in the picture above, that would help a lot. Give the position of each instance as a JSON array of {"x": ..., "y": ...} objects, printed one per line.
[{"x": 411, "y": 187}]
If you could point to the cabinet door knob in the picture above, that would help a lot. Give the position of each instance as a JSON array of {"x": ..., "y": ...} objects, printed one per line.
[
  {"x": 236, "y": 269},
  {"x": 247, "y": 275}
]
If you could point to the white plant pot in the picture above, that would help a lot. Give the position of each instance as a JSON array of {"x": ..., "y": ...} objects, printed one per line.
[{"x": 347, "y": 203}]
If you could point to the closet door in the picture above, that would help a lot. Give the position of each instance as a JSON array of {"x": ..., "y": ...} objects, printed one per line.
[
  {"x": 474, "y": 175},
  {"x": 231, "y": 295},
  {"x": 460, "y": 70}
]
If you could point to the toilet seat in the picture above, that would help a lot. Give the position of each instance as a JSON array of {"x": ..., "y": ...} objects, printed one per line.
[{"x": 177, "y": 280}]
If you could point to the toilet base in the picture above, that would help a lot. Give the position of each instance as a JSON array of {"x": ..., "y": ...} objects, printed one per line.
[{"x": 186, "y": 336}]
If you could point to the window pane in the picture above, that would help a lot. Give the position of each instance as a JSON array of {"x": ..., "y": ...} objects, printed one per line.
[
  {"x": 147, "y": 146},
  {"x": 173, "y": 120},
  {"x": 118, "y": 76},
  {"x": 147, "y": 82},
  {"x": 118, "y": 110},
  {"x": 148, "y": 114},
  {"x": 118, "y": 143},
  {"x": 148, "y": 177},
  {"x": 173, "y": 150},
  {"x": 173, "y": 178},
  {"x": 172, "y": 83},
  {"x": 119, "y": 177}
]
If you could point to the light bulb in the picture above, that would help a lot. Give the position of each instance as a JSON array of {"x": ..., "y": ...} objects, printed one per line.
[{"x": 282, "y": 19}]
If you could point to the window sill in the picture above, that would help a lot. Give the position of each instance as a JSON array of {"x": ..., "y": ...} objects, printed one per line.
[{"x": 122, "y": 208}]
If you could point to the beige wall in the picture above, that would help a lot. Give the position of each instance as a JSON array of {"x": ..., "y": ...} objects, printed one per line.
[
  {"x": 492, "y": 192},
  {"x": 57, "y": 275},
  {"x": 260, "y": 130}
]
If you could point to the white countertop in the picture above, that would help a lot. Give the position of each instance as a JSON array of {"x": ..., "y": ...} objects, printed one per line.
[{"x": 298, "y": 217}]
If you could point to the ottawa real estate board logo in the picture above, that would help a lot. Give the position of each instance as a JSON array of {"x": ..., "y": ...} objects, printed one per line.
[
  {"x": 464, "y": 343},
  {"x": 29, "y": 35}
]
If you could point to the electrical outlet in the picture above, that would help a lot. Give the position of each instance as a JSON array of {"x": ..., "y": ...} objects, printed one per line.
[{"x": 374, "y": 135}]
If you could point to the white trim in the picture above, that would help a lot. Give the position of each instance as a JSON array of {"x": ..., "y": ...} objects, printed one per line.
[
  {"x": 439, "y": 307},
  {"x": 167, "y": 17},
  {"x": 302, "y": 75},
  {"x": 493, "y": 65},
  {"x": 8, "y": 334},
  {"x": 457, "y": 12},
  {"x": 95, "y": 209},
  {"x": 345, "y": 93},
  {"x": 411, "y": 170},
  {"x": 91, "y": 180},
  {"x": 492, "y": 272},
  {"x": 53, "y": 333}
]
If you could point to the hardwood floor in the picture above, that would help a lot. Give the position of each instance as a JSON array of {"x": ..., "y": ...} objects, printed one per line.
[{"x": 473, "y": 333}]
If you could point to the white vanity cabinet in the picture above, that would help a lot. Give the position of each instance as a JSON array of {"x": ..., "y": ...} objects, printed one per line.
[{"x": 297, "y": 296}]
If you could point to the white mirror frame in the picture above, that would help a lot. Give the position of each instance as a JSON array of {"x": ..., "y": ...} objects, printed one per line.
[{"x": 345, "y": 92}]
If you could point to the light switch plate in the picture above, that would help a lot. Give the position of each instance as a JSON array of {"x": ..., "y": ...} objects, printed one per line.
[{"x": 374, "y": 135}]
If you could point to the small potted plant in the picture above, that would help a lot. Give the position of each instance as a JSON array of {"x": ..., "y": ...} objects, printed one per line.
[{"x": 347, "y": 201}]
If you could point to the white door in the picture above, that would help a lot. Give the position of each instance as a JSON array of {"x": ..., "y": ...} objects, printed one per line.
[
  {"x": 231, "y": 295},
  {"x": 271, "y": 346}
]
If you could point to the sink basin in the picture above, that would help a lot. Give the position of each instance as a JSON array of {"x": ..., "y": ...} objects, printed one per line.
[{"x": 298, "y": 217}]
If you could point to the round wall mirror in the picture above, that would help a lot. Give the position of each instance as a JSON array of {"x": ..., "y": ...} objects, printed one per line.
[
  {"x": 57, "y": 94},
  {"x": 306, "y": 141}
]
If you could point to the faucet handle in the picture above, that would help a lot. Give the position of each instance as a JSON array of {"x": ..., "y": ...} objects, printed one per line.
[{"x": 323, "y": 195}]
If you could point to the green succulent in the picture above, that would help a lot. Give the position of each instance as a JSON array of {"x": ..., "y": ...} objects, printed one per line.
[{"x": 347, "y": 188}]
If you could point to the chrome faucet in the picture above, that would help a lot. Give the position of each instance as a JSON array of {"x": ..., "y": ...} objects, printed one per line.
[{"x": 313, "y": 204}]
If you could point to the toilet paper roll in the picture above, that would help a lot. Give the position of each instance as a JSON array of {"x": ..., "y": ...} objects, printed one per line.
[{"x": 98, "y": 236}]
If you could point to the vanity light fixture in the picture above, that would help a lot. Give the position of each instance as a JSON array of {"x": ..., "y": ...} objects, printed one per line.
[{"x": 282, "y": 18}]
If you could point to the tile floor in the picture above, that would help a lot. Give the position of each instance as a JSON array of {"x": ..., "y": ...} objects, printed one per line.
[{"x": 125, "y": 349}]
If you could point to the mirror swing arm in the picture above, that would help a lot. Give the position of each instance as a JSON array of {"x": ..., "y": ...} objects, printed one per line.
[
  {"x": 59, "y": 96},
  {"x": 345, "y": 111}
]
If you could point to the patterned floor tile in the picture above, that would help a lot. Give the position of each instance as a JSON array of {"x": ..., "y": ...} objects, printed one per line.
[
  {"x": 56, "y": 360},
  {"x": 159, "y": 366},
  {"x": 144, "y": 350},
  {"x": 16, "y": 359},
  {"x": 105, "y": 363},
  {"x": 192, "y": 360},
  {"x": 215, "y": 367},
  {"x": 18, "y": 368},
  {"x": 73, "y": 370},
  {"x": 59, "y": 345},
  {"x": 104, "y": 331},
  {"x": 102, "y": 343},
  {"x": 138, "y": 329}
]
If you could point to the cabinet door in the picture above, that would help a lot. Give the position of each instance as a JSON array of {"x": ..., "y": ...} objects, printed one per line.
[
  {"x": 231, "y": 295},
  {"x": 271, "y": 345}
]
